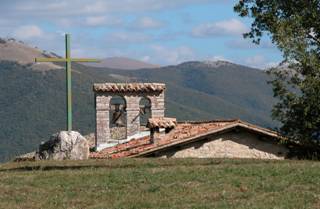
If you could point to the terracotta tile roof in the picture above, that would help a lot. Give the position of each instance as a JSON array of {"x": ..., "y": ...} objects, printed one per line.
[
  {"x": 162, "y": 122},
  {"x": 182, "y": 133},
  {"x": 128, "y": 87}
]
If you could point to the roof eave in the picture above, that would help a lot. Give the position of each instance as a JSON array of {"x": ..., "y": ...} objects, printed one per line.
[{"x": 216, "y": 131}]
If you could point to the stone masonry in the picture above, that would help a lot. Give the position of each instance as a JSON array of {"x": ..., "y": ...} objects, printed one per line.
[
  {"x": 132, "y": 93},
  {"x": 241, "y": 144}
]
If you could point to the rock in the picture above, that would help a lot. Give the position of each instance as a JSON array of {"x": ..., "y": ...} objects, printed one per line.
[
  {"x": 91, "y": 138},
  {"x": 64, "y": 145},
  {"x": 25, "y": 157}
]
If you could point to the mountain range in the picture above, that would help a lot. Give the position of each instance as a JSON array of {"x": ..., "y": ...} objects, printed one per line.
[
  {"x": 122, "y": 63},
  {"x": 32, "y": 104}
]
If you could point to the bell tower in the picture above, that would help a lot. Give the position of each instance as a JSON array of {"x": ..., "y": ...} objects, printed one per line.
[{"x": 119, "y": 107}]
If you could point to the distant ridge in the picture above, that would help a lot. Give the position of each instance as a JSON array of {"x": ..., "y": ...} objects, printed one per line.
[
  {"x": 122, "y": 63},
  {"x": 207, "y": 64},
  {"x": 18, "y": 51}
]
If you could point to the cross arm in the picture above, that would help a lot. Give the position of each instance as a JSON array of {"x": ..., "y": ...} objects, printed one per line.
[
  {"x": 50, "y": 60},
  {"x": 65, "y": 60}
]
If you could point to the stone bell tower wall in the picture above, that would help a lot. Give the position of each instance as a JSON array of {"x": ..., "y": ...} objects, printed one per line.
[
  {"x": 132, "y": 94},
  {"x": 102, "y": 118}
]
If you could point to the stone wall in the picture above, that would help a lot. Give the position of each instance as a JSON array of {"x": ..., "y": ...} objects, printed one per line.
[
  {"x": 102, "y": 118},
  {"x": 118, "y": 133},
  {"x": 102, "y": 101},
  {"x": 133, "y": 111},
  {"x": 157, "y": 105},
  {"x": 229, "y": 145}
]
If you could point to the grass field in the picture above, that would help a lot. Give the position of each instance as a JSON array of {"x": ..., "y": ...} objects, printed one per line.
[{"x": 161, "y": 183}]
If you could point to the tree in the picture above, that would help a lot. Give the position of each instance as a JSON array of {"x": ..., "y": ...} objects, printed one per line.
[{"x": 294, "y": 27}]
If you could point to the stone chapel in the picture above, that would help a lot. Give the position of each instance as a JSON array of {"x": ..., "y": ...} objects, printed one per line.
[{"x": 131, "y": 122}]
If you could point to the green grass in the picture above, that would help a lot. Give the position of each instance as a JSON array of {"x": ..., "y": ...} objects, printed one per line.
[{"x": 161, "y": 183}]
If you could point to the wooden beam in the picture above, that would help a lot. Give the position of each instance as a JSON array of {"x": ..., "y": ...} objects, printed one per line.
[{"x": 50, "y": 60}]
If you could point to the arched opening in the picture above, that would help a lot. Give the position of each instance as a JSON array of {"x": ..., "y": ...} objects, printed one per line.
[
  {"x": 145, "y": 110},
  {"x": 118, "y": 118}
]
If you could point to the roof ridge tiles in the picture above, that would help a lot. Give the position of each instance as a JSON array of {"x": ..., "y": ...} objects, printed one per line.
[
  {"x": 208, "y": 121},
  {"x": 129, "y": 87}
]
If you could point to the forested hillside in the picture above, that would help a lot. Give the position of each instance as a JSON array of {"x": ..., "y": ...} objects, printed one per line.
[{"x": 32, "y": 103}]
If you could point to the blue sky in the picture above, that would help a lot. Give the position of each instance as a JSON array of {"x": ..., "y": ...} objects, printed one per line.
[{"x": 158, "y": 31}]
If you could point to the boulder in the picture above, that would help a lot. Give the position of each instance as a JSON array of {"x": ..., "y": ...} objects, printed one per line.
[
  {"x": 64, "y": 145},
  {"x": 25, "y": 157}
]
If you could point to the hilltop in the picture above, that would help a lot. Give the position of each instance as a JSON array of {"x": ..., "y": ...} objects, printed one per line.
[
  {"x": 20, "y": 52},
  {"x": 32, "y": 103}
]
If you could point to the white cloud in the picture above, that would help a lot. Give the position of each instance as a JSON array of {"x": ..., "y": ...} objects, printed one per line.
[
  {"x": 102, "y": 21},
  {"x": 79, "y": 16},
  {"x": 65, "y": 22},
  {"x": 225, "y": 27},
  {"x": 146, "y": 23},
  {"x": 118, "y": 38},
  {"x": 259, "y": 61},
  {"x": 218, "y": 58},
  {"x": 95, "y": 21},
  {"x": 247, "y": 44},
  {"x": 171, "y": 55},
  {"x": 255, "y": 61},
  {"x": 146, "y": 58},
  {"x": 92, "y": 7},
  {"x": 95, "y": 7},
  {"x": 90, "y": 21},
  {"x": 28, "y": 32}
]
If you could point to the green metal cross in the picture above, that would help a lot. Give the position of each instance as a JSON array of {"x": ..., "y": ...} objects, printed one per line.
[{"x": 68, "y": 61}]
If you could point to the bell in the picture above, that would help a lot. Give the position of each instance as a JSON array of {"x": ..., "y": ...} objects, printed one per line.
[
  {"x": 123, "y": 108},
  {"x": 142, "y": 110},
  {"x": 117, "y": 118},
  {"x": 120, "y": 122},
  {"x": 117, "y": 107}
]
